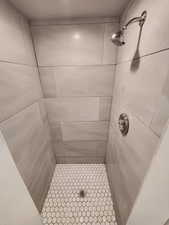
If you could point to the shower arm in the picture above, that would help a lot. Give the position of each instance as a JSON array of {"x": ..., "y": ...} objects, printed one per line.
[{"x": 141, "y": 19}]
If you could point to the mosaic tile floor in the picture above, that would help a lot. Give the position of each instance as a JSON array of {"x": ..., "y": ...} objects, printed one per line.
[{"x": 65, "y": 205}]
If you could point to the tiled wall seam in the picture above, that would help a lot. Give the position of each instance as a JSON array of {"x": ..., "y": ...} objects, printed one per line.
[
  {"x": 34, "y": 49},
  {"x": 21, "y": 110},
  {"x": 73, "y": 93},
  {"x": 77, "y": 21},
  {"x": 143, "y": 56},
  {"x": 17, "y": 63},
  {"x": 33, "y": 45},
  {"x": 20, "y": 103},
  {"x": 73, "y": 65}
]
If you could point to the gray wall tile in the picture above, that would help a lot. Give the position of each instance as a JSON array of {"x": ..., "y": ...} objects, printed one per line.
[
  {"x": 110, "y": 50},
  {"x": 141, "y": 91},
  {"x": 152, "y": 27},
  {"x": 26, "y": 133},
  {"x": 19, "y": 87},
  {"x": 83, "y": 44},
  {"x": 15, "y": 40},
  {"x": 105, "y": 108},
  {"x": 77, "y": 74},
  {"x": 69, "y": 44},
  {"x": 78, "y": 108},
  {"x": 81, "y": 160},
  {"x": 23, "y": 119},
  {"x": 77, "y": 81},
  {"x": 161, "y": 115},
  {"x": 122, "y": 201},
  {"x": 80, "y": 148},
  {"x": 84, "y": 131}
]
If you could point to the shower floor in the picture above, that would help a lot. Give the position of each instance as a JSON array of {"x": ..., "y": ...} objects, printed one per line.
[{"x": 65, "y": 206}]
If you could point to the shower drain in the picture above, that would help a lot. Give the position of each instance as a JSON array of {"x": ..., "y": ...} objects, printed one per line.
[{"x": 82, "y": 194}]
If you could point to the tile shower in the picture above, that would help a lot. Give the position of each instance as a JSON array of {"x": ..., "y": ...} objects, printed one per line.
[
  {"x": 64, "y": 205},
  {"x": 77, "y": 83},
  {"x": 63, "y": 85}
]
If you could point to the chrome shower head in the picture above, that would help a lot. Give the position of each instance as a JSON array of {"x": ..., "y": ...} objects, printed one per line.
[{"x": 117, "y": 38}]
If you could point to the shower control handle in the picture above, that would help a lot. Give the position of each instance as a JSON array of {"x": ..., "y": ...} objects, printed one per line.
[{"x": 123, "y": 124}]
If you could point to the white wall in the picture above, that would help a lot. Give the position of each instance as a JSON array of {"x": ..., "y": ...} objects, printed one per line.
[{"x": 16, "y": 205}]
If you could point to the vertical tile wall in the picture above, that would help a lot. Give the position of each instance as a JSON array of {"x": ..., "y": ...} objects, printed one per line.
[
  {"x": 23, "y": 120},
  {"x": 141, "y": 91},
  {"x": 76, "y": 62}
]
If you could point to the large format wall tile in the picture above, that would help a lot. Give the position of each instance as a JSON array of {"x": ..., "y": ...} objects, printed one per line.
[
  {"x": 19, "y": 87},
  {"x": 78, "y": 108},
  {"x": 74, "y": 44},
  {"x": 129, "y": 158},
  {"x": 80, "y": 160},
  {"x": 15, "y": 40},
  {"x": 120, "y": 196},
  {"x": 80, "y": 148},
  {"x": 135, "y": 153},
  {"x": 72, "y": 109},
  {"x": 110, "y": 50},
  {"x": 155, "y": 35},
  {"x": 143, "y": 95},
  {"x": 84, "y": 131},
  {"x": 23, "y": 119},
  {"x": 43, "y": 173},
  {"x": 76, "y": 62},
  {"x": 80, "y": 139},
  {"x": 69, "y": 44},
  {"x": 77, "y": 80},
  {"x": 105, "y": 108},
  {"x": 141, "y": 90},
  {"x": 29, "y": 142},
  {"x": 122, "y": 201},
  {"x": 161, "y": 115},
  {"x": 128, "y": 168},
  {"x": 70, "y": 131}
]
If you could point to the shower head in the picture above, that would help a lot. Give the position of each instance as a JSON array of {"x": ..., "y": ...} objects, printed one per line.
[{"x": 118, "y": 37}]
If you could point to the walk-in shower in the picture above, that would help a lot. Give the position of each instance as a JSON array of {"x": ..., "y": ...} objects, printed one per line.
[
  {"x": 84, "y": 124},
  {"x": 118, "y": 37}
]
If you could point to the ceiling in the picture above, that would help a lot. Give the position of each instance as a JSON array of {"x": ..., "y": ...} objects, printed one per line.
[{"x": 63, "y": 9}]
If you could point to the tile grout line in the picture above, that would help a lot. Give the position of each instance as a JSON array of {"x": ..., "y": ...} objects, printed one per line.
[
  {"x": 21, "y": 110},
  {"x": 143, "y": 56},
  {"x": 75, "y": 65},
  {"x": 17, "y": 63},
  {"x": 63, "y": 204}
]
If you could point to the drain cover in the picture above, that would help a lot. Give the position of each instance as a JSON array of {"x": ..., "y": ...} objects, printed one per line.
[{"x": 82, "y": 193}]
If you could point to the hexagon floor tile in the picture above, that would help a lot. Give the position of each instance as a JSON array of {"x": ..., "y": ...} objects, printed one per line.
[{"x": 79, "y": 194}]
